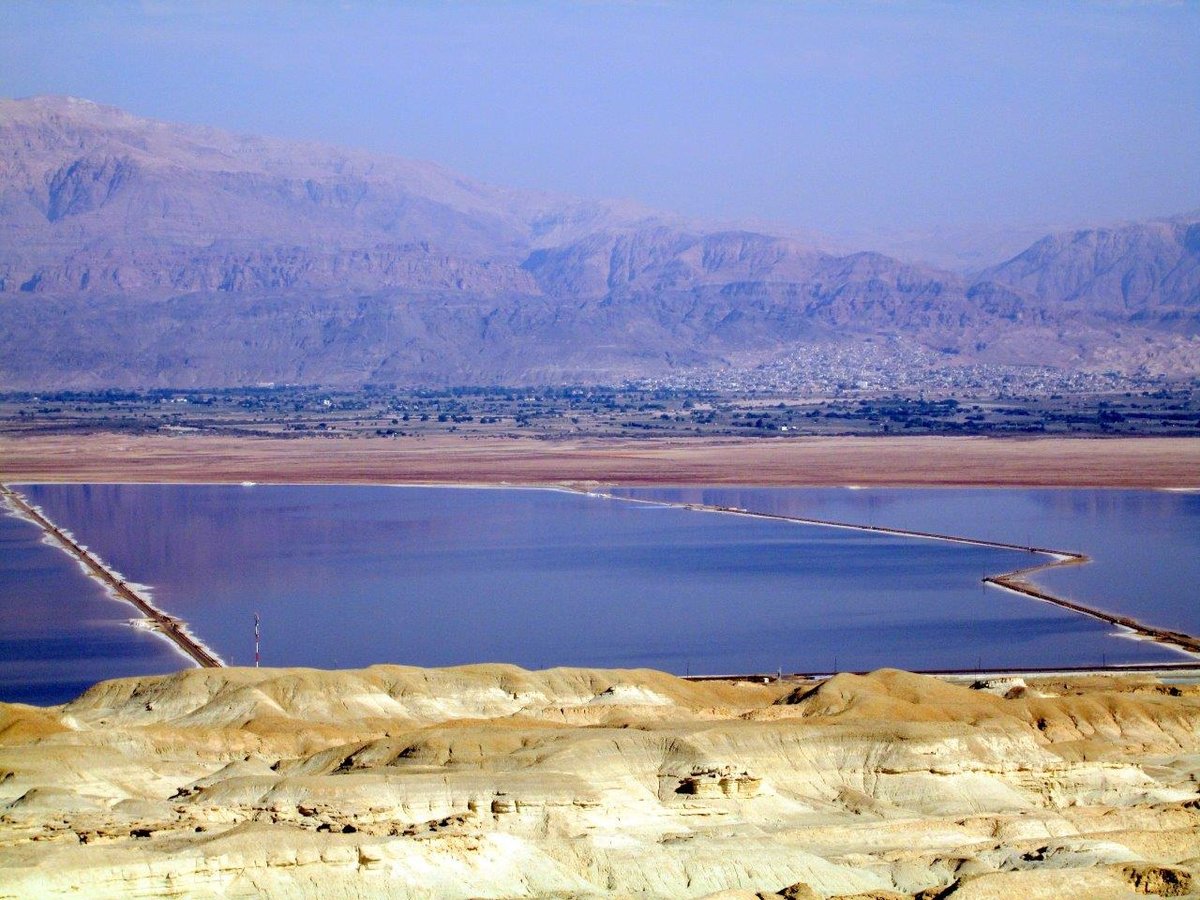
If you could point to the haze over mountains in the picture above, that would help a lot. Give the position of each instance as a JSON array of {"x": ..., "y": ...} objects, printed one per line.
[{"x": 141, "y": 253}]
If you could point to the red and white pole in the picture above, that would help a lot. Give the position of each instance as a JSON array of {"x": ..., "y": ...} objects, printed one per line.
[{"x": 256, "y": 631}]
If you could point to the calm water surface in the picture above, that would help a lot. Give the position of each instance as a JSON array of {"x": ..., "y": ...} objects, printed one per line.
[
  {"x": 350, "y": 576},
  {"x": 1145, "y": 545},
  {"x": 59, "y": 632}
]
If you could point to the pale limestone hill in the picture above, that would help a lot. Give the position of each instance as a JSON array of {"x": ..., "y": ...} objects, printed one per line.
[{"x": 494, "y": 781}]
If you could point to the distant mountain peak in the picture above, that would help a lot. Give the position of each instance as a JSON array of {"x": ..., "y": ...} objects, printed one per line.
[
  {"x": 1140, "y": 269},
  {"x": 254, "y": 259}
]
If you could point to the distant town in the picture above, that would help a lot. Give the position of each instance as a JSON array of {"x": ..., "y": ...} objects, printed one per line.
[
  {"x": 833, "y": 392},
  {"x": 864, "y": 368}
]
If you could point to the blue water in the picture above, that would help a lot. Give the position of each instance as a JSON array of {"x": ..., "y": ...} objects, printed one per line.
[
  {"x": 350, "y": 576},
  {"x": 59, "y": 632},
  {"x": 1144, "y": 545}
]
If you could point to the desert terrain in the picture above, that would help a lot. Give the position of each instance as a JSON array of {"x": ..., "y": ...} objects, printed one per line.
[
  {"x": 967, "y": 258},
  {"x": 495, "y": 781},
  {"x": 917, "y": 461}
]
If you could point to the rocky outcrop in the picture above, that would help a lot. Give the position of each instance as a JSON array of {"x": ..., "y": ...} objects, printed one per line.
[
  {"x": 491, "y": 780},
  {"x": 1145, "y": 271}
]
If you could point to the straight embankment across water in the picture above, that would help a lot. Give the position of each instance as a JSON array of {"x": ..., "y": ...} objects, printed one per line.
[
  {"x": 1016, "y": 581},
  {"x": 171, "y": 628}
]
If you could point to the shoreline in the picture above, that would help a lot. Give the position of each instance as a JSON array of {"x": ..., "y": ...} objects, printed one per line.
[
  {"x": 1167, "y": 463},
  {"x": 167, "y": 626},
  {"x": 1183, "y": 671},
  {"x": 175, "y": 630}
]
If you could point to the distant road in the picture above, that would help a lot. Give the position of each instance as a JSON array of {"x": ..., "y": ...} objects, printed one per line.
[{"x": 877, "y": 461}]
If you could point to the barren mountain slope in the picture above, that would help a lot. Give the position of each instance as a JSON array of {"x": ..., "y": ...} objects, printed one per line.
[
  {"x": 96, "y": 200},
  {"x": 494, "y": 781},
  {"x": 142, "y": 253},
  {"x": 1147, "y": 271}
]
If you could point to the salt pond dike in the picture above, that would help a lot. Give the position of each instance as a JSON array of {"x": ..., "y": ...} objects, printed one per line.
[
  {"x": 143, "y": 253},
  {"x": 495, "y": 781}
]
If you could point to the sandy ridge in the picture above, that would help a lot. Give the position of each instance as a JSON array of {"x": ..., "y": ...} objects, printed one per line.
[{"x": 496, "y": 781}]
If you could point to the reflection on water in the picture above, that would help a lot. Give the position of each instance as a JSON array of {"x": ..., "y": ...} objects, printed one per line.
[
  {"x": 1145, "y": 545},
  {"x": 59, "y": 632},
  {"x": 350, "y": 576}
]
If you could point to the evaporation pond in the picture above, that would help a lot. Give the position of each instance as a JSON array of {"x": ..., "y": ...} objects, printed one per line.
[
  {"x": 348, "y": 576},
  {"x": 1144, "y": 545},
  {"x": 59, "y": 631}
]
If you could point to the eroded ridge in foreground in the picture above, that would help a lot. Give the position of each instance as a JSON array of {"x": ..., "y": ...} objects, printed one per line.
[{"x": 494, "y": 781}]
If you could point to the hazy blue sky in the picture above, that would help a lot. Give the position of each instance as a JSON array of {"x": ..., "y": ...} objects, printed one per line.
[{"x": 829, "y": 115}]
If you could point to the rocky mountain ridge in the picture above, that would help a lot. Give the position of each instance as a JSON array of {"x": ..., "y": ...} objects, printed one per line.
[
  {"x": 136, "y": 253},
  {"x": 1147, "y": 271}
]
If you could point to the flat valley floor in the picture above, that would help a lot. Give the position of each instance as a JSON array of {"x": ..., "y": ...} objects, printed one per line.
[{"x": 918, "y": 461}]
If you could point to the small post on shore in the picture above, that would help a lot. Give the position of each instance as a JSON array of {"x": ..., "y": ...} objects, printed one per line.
[{"x": 256, "y": 635}]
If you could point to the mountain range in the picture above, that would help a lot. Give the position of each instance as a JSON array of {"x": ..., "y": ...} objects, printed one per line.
[{"x": 141, "y": 253}]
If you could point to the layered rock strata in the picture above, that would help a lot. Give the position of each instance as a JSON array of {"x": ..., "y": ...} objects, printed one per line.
[{"x": 495, "y": 781}]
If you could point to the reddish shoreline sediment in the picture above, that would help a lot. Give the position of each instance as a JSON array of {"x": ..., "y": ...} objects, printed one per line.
[{"x": 794, "y": 461}]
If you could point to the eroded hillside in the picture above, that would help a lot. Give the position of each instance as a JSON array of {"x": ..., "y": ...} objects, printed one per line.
[{"x": 495, "y": 781}]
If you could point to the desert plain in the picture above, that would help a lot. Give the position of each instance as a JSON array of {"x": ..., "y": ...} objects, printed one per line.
[{"x": 913, "y": 461}]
